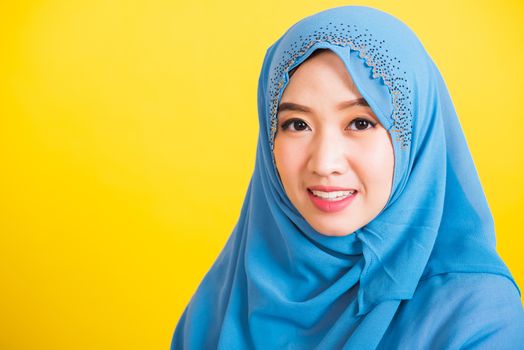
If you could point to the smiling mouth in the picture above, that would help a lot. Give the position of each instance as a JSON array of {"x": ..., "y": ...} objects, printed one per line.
[
  {"x": 331, "y": 201},
  {"x": 332, "y": 196}
]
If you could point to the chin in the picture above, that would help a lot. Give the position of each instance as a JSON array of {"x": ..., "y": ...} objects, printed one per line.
[{"x": 333, "y": 231}]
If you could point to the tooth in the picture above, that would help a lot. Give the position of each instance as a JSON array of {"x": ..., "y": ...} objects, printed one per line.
[{"x": 332, "y": 195}]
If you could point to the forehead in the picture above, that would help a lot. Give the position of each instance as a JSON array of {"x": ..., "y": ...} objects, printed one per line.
[
  {"x": 314, "y": 54},
  {"x": 322, "y": 78},
  {"x": 323, "y": 68}
]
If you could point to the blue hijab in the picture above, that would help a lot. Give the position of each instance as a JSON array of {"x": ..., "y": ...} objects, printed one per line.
[{"x": 278, "y": 283}]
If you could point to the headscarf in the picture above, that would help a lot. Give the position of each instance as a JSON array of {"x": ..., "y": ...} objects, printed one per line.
[{"x": 278, "y": 283}]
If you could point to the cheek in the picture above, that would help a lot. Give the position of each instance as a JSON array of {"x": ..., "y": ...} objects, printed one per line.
[
  {"x": 377, "y": 163},
  {"x": 288, "y": 158}
]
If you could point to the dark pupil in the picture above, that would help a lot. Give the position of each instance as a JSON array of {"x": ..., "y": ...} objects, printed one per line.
[
  {"x": 299, "y": 125},
  {"x": 361, "y": 124}
]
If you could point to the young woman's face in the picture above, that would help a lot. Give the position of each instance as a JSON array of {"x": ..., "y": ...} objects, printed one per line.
[{"x": 329, "y": 141}]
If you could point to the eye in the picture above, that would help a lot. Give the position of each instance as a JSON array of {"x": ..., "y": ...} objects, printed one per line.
[
  {"x": 295, "y": 124},
  {"x": 362, "y": 124}
]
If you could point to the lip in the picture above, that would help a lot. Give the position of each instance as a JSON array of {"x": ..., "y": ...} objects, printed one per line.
[
  {"x": 330, "y": 206},
  {"x": 330, "y": 188}
]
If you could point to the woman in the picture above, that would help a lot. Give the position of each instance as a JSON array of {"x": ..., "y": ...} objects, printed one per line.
[{"x": 365, "y": 225}]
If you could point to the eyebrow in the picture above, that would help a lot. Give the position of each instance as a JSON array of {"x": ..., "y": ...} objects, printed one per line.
[{"x": 290, "y": 106}]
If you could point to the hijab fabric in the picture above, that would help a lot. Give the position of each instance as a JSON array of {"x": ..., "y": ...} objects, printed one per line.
[{"x": 278, "y": 283}]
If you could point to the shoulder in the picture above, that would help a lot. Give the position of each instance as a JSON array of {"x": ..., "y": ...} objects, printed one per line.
[{"x": 461, "y": 311}]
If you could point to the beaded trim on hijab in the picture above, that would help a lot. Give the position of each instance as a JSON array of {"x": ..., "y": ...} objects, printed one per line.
[{"x": 369, "y": 49}]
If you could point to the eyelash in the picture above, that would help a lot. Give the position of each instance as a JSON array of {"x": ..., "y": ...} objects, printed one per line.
[{"x": 287, "y": 123}]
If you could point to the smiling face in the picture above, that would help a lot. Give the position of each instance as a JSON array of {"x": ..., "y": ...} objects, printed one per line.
[{"x": 329, "y": 143}]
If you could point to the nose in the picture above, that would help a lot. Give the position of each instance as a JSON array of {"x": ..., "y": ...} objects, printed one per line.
[{"x": 328, "y": 154}]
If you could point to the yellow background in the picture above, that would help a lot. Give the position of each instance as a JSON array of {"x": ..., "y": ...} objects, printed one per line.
[{"x": 127, "y": 141}]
